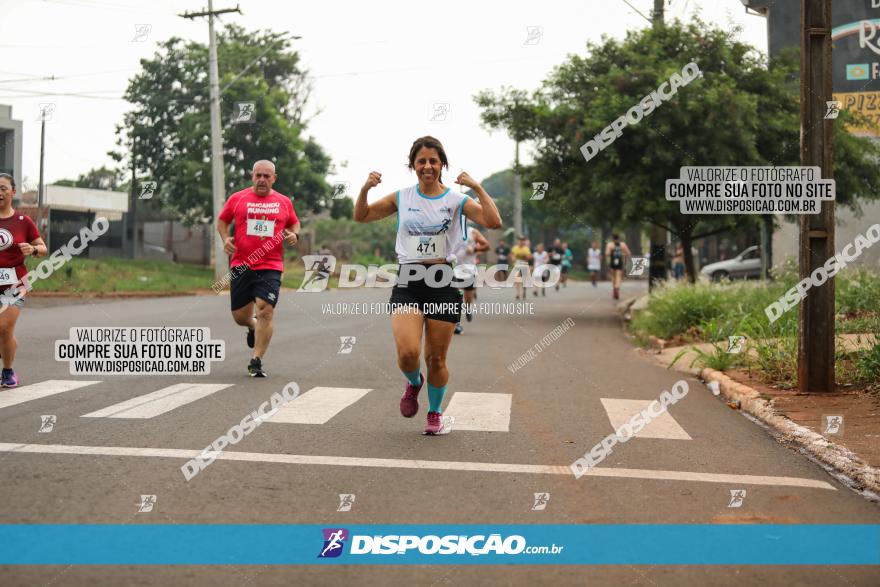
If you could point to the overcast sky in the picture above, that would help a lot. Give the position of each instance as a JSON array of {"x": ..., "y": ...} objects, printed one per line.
[{"x": 377, "y": 68}]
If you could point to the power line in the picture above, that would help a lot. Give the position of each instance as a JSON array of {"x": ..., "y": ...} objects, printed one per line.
[{"x": 637, "y": 11}]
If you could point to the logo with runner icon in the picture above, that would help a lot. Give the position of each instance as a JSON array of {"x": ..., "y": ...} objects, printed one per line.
[
  {"x": 833, "y": 424},
  {"x": 334, "y": 541},
  {"x": 319, "y": 268},
  {"x": 47, "y": 423},
  {"x": 147, "y": 503},
  {"x": 539, "y": 190},
  {"x": 639, "y": 264},
  {"x": 541, "y": 501},
  {"x": 737, "y": 496},
  {"x": 346, "y": 344},
  {"x": 346, "y": 501},
  {"x": 5, "y": 239}
]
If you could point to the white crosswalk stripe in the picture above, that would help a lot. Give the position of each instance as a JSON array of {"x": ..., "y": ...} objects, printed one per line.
[
  {"x": 159, "y": 402},
  {"x": 26, "y": 393},
  {"x": 317, "y": 405},
  {"x": 664, "y": 426},
  {"x": 486, "y": 412},
  {"x": 482, "y": 412}
]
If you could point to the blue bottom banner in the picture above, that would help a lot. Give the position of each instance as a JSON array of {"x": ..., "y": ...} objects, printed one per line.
[{"x": 527, "y": 544}]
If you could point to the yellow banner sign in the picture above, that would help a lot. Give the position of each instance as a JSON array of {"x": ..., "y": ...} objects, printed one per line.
[{"x": 866, "y": 103}]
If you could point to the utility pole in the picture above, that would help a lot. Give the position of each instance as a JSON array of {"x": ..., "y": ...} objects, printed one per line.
[
  {"x": 131, "y": 219},
  {"x": 517, "y": 195},
  {"x": 41, "y": 192},
  {"x": 767, "y": 222},
  {"x": 218, "y": 181},
  {"x": 816, "y": 320},
  {"x": 657, "y": 268}
]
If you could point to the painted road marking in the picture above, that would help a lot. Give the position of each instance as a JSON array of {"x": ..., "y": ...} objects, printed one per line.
[
  {"x": 486, "y": 412},
  {"x": 257, "y": 457},
  {"x": 19, "y": 395},
  {"x": 317, "y": 405},
  {"x": 664, "y": 426},
  {"x": 159, "y": 402}
]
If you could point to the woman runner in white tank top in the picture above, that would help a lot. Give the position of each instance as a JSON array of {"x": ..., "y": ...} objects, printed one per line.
[{"x": 430, "y": 223}]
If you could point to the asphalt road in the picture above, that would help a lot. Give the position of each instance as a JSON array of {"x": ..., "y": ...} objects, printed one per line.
[{"x": 556, "y": 414}]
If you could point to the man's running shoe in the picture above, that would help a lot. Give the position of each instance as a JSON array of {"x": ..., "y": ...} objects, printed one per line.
[
  {"x": 8, "y": 378},
  {"x": 459, "y": 328},
  {"x": 409, "y": 402},
  {"x": 250, "y": 338},
  {"x": 255, "y": 368},
  {"x": 435, "y": 424}
]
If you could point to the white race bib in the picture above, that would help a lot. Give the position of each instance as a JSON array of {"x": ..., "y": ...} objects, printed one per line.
[
  {"x": 8, "y": 276},
  {"x": 257, "y": 227},
  {"x": 426, "y": 247}
]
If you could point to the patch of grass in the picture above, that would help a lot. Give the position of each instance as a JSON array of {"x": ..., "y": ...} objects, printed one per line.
[
  {"x": 123, "y": 275},
  {"x": 858, "y": 293},
  {"x": 866, "y": 366},
  {"x": 772, "y": 350},
  {"x": 694, "y": 311},
  {"x": 718, "y": 359},
  {"x": 109, "y": 275}
]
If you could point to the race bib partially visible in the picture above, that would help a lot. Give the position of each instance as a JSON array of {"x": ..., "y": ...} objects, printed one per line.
[
  {"x": 426, "y": 247},
  {"x": 8, "y": 276},
  {"x": 257, "y": 227}
]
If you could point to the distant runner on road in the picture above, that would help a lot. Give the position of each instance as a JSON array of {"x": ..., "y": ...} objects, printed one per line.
[
  {"x": 503, "y": 252},
  {"x": 556, "y": 255},
  {"x": 263, "y": 218},
  {"x": 540, "y": 257},
  {"x": 567, "y": 258},
  {"x": 594, "y": 262},
  {"x": 19, "y": 238},
  {"x": 429, "y": 226},
  {"x": 521, "y": 257},
  {"x": 466, "y": 259},
  {"x": 616, "y": 252}
]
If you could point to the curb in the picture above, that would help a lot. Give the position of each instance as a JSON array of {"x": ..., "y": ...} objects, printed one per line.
[
  {"x": 840, "y": 458},
  {"x": 120, "y": 294}
]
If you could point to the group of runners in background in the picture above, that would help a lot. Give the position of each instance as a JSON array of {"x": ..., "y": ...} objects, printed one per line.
[{"x": 559, "y": 254}]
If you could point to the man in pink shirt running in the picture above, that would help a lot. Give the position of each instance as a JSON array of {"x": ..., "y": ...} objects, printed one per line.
[{"x": 263, "y": 218}]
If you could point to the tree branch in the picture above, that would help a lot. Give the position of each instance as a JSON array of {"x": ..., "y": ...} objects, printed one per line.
[{"x": 711, "y": 232}]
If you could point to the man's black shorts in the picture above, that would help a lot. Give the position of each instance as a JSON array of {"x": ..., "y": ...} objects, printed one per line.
[
  {"x": 249, "y": 284},
  {"x": 436, "y": 303}
]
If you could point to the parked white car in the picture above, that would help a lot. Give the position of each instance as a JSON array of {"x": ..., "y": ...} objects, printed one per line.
[{"x": 746, "y": 265}]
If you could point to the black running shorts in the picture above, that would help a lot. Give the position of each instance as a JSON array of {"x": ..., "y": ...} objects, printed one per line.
[
  {"x": 436, "y": 303},
  {"x": 250, "y": 284}
]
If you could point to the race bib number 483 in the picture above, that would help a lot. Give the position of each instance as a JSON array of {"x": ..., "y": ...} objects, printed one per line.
[{"x": 257, "y": 227}]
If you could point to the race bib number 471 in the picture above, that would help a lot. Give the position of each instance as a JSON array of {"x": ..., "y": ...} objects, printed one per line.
[{"x": 426, "y": 247}]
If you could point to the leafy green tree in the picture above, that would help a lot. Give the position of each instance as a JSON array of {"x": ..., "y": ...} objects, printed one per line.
[
  {"x": 99, "y": 178},
  {"x": 540, "y": 218},
  {"x": 342, "y": 208},
  {"x": 741, "y": 111},
  {"x": 169, "y": 125}
]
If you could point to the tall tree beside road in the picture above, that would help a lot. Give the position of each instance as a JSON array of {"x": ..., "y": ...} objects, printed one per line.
[
  {"x": 741, "y": 112},
  {"x": 170, "y": 118}
]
